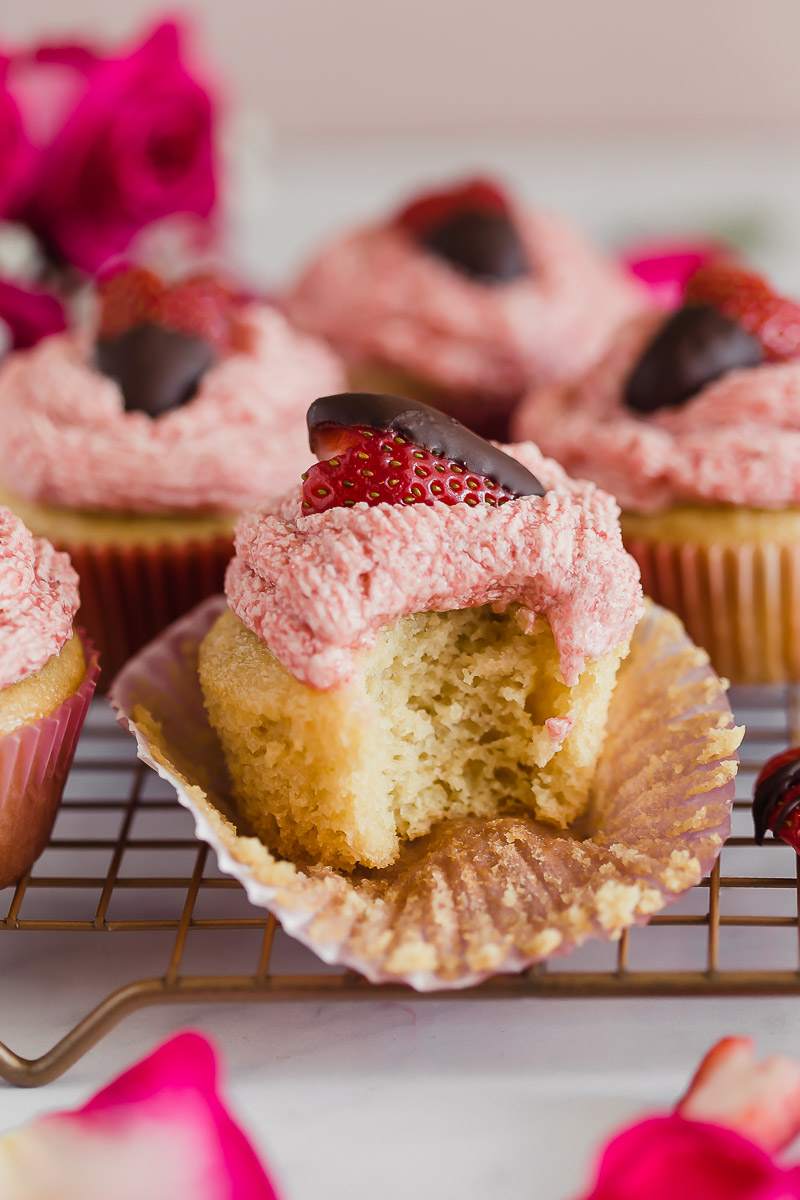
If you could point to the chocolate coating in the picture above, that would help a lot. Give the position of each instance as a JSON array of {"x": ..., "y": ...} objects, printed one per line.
[
  {"x": 157, "y": 369},
  {"x": 771, "y": 795},
  {"x": 696, "y": 346},
  {"x": 484, "y": 245},
  {"x": 427, "y": 428}
]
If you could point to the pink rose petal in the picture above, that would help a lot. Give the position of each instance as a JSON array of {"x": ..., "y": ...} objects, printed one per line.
[
  {"x": 666, "y": 267},
  {"x": 760, "y": 1100},
  {"x": 669, "y": 1158},
  {"x": 159, "y": 1131}
]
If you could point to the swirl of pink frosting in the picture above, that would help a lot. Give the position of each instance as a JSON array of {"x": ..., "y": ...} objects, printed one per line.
[
  {"x": 378, "y": 297},
  {"x": 66, "y": 439},
  {"x": 736, "y": 442},
  {"x": 38, "y": 600},
  {"x": 317, "y": 589}
]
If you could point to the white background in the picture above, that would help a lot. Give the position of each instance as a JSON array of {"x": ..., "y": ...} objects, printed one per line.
[{"x": 386, "y": 66}]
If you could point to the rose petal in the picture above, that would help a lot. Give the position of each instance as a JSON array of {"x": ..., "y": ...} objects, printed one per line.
[
  {"x": 760, "y": 1100},
  {"x": 158, "y": 1131},
  {"x": 669, "y": 1158},
  {"x": 30, "y": 315},
  {"x": 666, "y": 267}
]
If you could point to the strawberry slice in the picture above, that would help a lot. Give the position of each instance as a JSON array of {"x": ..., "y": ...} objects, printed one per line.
[
  {"x": 199, "y": 305},
  {"x": 426, "y": 212},
  {"x": 746, "y": 297},
  {"x": 760, "y": 1100},
  {"x": 382, "y": 449},
  {"x": 377, "y": 466},
  {"x": 128, "y": 297}
]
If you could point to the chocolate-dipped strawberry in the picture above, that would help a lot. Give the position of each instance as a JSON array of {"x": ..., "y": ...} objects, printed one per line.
[
  {"x": 776, "y": 798},
  {"x": 730, "y": 320},
  {"x": 694, "y": 347},
  {"x": 381, "y": 449},
  {"x": 471, "y": 227},
  {"x": 158, "y": 341}
]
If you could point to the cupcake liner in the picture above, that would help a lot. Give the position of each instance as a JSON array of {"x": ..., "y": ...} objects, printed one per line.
[
  {"x": 476, "y": 896},
  {"x": 129, "y": 593},
  {"x": 34, "y": 763},
  {"x": 741, "y": 602}
]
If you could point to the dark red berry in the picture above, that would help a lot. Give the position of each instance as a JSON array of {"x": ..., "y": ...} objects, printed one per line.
[{"x": 776, "y": 798}]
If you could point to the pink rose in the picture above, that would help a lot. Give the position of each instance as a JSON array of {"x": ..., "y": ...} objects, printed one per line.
[
  {"x": 138, "y": 146},
  {"x": 160, "y": 1131},
  {"x": 17, "y": 156},
  {"x": 29, "y": 315}
]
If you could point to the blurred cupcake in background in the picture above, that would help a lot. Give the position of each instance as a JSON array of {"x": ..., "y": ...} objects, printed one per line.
[
  {"x": 463, "y": 299},
  {"x": 47, "y": 677},
  {"x": 134, "y": 444},
  {"x": 693, "y": 421}
]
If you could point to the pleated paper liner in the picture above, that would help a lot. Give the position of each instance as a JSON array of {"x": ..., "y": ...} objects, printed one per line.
[
  {"x": 34, "y": 763},
  {"x": 129, "y": 593},
  {"x": 476, "y": 897},
  {"x": 741, "y": 602}
]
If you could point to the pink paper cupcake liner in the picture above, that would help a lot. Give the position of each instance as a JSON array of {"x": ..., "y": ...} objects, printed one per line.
[
  {"x": 34, "y": 763},
  {"x": 130, "y": 593},
  {"x": 476, "y": 897},
  {"x": 741, "y": 602}
]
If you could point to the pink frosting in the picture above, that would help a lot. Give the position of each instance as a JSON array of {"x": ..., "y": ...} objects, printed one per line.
[
  {"x": 38, "y": 600},
  {"x": 378, "y": 297},
  {"x": 66, "y": 439},
  {"x": 317, "y": 589},
  {"x": 736, "y": 442}
]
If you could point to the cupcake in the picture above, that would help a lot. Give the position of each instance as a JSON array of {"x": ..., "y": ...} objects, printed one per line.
[
  {"x": 693, "y": 421},
  {"x": 134, "y": 445},
  {"x": 428, "y": 629},
  {"x": 47, "y": 677},
  {"x": 464, "y": 299}
]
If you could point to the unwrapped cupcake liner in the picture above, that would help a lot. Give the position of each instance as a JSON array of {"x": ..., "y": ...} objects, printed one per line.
[
  {"x": 129, "y": 593},
  {"x": 34, "y": 763},
  {"x": 476, "y": 897},
  {"x": 740, "y": 602}
]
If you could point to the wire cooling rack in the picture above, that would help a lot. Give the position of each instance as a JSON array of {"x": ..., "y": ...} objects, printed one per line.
[{"x": 123, "y": 861}]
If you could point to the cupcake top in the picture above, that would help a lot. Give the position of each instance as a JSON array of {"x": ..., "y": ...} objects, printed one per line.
[
  {"x": 701, "y": 406},
  {"x": 316, "y": 580},
  {"x": 467, "y": 290},
  {"x": 190, "y": 405},
  {"x": 38, "y": 600}
]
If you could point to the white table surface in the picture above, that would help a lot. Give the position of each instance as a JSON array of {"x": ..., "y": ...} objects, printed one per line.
[{"x": 433, "y": 1098}]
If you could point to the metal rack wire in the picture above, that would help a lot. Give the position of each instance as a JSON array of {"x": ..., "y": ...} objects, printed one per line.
[{"x": 736, "y": 933}]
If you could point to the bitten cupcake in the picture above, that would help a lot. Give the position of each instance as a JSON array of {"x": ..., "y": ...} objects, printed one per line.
[
  {"x": 47, "y": 677},
  {"x": 426, "y": 630},
  {"x": 464, "y": 299},
  {"x": 693, "y": 422},
  {"x": 135, "y": 445}
]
